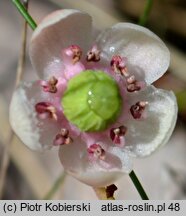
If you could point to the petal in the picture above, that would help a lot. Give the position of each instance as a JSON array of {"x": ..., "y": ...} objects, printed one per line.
[
  {"x": 148, "y": 57},
  {"x": 144, "y": 136},
  {"x": 74, "y": 158},
  {"x": 57, "y": 31},
  {"x": 37, "y": 134}
]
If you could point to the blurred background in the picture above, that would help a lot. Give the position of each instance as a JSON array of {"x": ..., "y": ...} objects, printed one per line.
[{"x": 31, "y": 175}]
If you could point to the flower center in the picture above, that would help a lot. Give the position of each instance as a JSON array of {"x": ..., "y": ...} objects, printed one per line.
[{"x": 91, "y": 101}]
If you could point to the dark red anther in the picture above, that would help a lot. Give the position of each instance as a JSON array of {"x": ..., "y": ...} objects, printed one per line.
[
  {"x": 118, "y": 65},
  {"x": 59, "y": 140},
  {"x": 132, "y": 84},
  {"x": 62, "y": 138},
  {"x": 97, "y": 151},
  {"x": 42, "y": 107},
  {"x": 93, "y": 55},
  {"x": 137, "y": 109},
  {"x": 117, "y": 133},
  {"x": 133, "y": 87},
  {"x": 64, "y": 132},
  {"x": 68, "y": 140},
  {"x": 50, "y": 85},
  {"x": 45, "y": 110},
  {"x": 77, "y": 53},
  {"x": 116, "y": 60}
]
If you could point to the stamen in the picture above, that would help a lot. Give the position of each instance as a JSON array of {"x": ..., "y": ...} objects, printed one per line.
[
  {"x": 131, "y": 79},
  {"x": 74, "y": 52},
  {"x": 93, "y": 55},
  {"x": 64, "y": 132},
  {"x": 132, "y": 84},
  {"x": 118, "y": 65},
  {"x": 59, "y": 140},
  {"x": 62, "y": 138},
  {"x": 45, "y": 110},
  {"x": 117, "y": 133},
  {"x": 52, "y": 110},
  {"x": 96, "y": 151},
  {"x": 68, "y": 141},
  {"x": 137, "y": 109},
  {"x": 50, "y": 85}
]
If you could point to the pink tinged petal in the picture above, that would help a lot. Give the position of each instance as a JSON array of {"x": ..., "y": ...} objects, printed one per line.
[
  {"x": 146, "y": 133},
  {"x": 72, "y": 70},
  {"x": 147, "y": 56},
  {"x": 28, "y": 117},
  {"x": 56, "y": 32},
  {"x": 53, "y": 68},
  {"x": 95, "y": 172},
  {"x": 71, "y": 59}
]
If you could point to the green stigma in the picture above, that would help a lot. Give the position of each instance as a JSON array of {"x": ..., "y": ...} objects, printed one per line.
[{"x": 91, "y": 101}]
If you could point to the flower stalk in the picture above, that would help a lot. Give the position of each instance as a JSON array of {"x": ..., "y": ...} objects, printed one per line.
[
  {"x": 21, "y": 62},
  {"x": 144, "y": 16},
  {"x": 138, "y": 186},
  {"x": 25, "y": 14},
  {"x": 55, "y": 187}
]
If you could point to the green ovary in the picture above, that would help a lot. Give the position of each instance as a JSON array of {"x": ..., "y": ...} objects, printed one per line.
[{"x": 91, "y": 101}]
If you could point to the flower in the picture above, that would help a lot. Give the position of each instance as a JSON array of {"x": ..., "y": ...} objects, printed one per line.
[{"x": 95, "y": 99}]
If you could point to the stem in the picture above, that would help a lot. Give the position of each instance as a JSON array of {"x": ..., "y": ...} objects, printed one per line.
[
  {"x": 22, "y": 57},
  {"x": 138, "y": 186},
  {"x": 146, "y": 12},
  {"x": 55, "y": 187},
  {"x": 20, "y": 69},
  {"x": 25, "y": 14}
]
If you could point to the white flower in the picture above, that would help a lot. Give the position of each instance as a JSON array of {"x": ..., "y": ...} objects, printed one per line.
[{"x": 95, "y": 99}]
